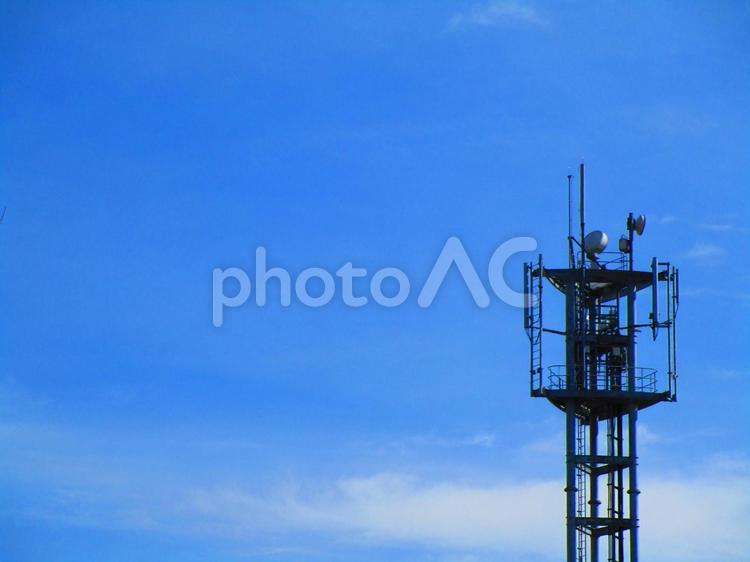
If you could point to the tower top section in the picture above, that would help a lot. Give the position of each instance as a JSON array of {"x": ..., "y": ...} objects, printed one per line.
[{"x": 601, "y": 329}]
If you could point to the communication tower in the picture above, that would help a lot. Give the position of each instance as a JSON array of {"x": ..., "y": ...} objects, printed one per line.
[{"x": 601, "y": 387}]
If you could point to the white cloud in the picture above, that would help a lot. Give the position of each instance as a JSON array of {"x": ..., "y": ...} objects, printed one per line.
[
  {"x": 702, "y": 251},
  {"x": 704, "y": 515},
  {"x": 717, "y": 224},
  {"x": 696, "y": 518},
  {"x": 725, "y": 374},
  {"x": 647, "y": 436},
  {"x": 398, "y": 508},
  {"x": 721, "y": 225},
  {"x": 553, "y": 444},
  {"x": 670, "y": 119},
  {"x": 696, "y": 292},
  {"x": 486, "y": 440},
  {"x": 742, "y": 297},
  {"x": 497, "y": 13},
  {"x": 682, "y": 518},
  {"x": 717, "y": 227}
]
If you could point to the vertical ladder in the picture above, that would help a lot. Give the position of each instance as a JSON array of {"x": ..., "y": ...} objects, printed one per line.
[
  {"x": 615, "y": 488},
  {"x": 611, "y": 489},
  {"x": 581, "y": 495},
  {"x": 533, "y": 321}
]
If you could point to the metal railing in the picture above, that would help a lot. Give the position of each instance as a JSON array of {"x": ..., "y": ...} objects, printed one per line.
[
  {"x": 617, "y": 261},
  {"x": 606, "y": 378}
]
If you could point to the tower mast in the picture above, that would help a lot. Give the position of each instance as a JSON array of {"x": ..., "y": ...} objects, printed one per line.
[{"x": 600, "y": 387}]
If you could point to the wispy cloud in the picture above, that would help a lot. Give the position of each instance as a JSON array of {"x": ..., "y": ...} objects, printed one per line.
[
  {"x": 716, "y": 224},
  {"x": 553, "y": 444},
  {"x": 703, "y": 251},
  {"x": 743, "y": 297},
  {"x": 707, "y": 225},
  {"x": 484, "y": 440},
  {"x": 399, "y": 508},
  {"x": 388, "y": 508},
  {"x": 670, "y": 119},
  {"x": 721, "y": 227},
  {"x": 724, "y": 374},
  {"x": 717, "y": 227},
  {"x": 648, "y": 436},
  {"x": 497, "y": 13},
  {"x": 677, "y": 527},
  {"x": 481, "y": 516},
  {"x": 505, "y": 517}
]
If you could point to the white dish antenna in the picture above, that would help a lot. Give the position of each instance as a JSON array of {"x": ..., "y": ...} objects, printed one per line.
[
  {"x": 640, "y": 224},
  {"x": 595, "y": 242}
]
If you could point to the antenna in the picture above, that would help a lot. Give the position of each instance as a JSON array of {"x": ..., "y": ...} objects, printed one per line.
[
  {"x": 654, "y": 298},
  {"x": 582, "y": 203},
  {"x": 570, "y": 203},
  {"x": 571, "y": 257}
]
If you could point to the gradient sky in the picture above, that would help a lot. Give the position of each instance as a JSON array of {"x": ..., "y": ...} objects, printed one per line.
[{"x": 143, "y": 145}]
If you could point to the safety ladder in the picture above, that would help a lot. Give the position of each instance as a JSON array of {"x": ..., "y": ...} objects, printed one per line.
[
  {"x": 533, "y": 320},
  {"x": 581, "y": 495},
  {"x": 615, "y": 504}
]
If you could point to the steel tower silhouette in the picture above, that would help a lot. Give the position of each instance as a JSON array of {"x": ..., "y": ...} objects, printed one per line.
[{"x": 601, "y": 387}]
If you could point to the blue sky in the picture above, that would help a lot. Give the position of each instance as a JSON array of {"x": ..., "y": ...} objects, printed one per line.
[{"x": 144, "y": 145}]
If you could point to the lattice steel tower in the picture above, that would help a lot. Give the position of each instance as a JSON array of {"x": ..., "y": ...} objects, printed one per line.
[{"x": 601, "y": 387}]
